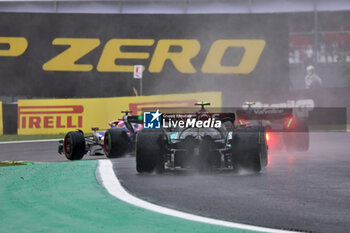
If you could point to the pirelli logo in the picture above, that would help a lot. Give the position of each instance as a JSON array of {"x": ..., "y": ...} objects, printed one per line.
[
  {"x": 48, "y": 117},
  {"x": 117, "y": 54}
]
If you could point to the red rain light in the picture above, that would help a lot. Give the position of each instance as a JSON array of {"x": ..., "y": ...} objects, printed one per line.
[
  {"x": 289, "y": 122},
  {"x": 241, "y": 122}
]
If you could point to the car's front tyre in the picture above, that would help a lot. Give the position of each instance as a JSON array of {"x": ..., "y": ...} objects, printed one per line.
[{"x": 74, "y": 145}]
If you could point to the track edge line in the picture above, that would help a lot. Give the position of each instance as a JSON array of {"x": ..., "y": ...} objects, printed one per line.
[
  {"x": 111, "y": 183},
  {"x": 30, "y": 141}
]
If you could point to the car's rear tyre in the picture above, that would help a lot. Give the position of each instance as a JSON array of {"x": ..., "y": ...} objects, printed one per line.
[
  {"x": 150, "y": 151},
  {"x": 249, "y": 148},
  {"x": 263, "y": 146},
  {"x": 74, "y": 145},
  {"x": 116, "y": 143},
  {"x": 297, "y": 139}
]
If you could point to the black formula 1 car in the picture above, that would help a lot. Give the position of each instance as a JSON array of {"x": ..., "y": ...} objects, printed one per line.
[
  {"x": 114, "y": 142},
  {"x": 284, "y": 128},
  {"x": 193, "y": 146}
]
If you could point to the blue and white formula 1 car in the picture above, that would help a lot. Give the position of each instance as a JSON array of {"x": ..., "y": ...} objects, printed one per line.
[{"x": 121, "y": 134}]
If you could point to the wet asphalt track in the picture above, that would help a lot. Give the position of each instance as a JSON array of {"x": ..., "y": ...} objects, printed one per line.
[{"x": 308, "y": 191}]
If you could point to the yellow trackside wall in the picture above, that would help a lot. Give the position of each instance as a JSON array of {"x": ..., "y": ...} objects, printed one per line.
[
  {"x": 55, "y": 116},
  {"x": 1, "y": 121}
]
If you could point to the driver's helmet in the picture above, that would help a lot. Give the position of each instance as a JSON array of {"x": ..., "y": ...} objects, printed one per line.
[
  {"x": 310, "y": 69},
  {"x": 113, "y": 123},
  {"x": 121, "y": 124},
  {"x": 137, "y": 127}
]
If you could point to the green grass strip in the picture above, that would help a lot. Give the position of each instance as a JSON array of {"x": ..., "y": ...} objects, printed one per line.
[
  {"x": 16, "y": 163},
  {"x": 66, "y": 197}
]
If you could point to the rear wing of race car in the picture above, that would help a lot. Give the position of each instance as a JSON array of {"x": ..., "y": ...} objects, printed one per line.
[
  {"x": 245, "y": 114},
  {"x": 223, "y": 117},
  {"x": 264, "y": 113},
  {"x": 273, "y": 119}
]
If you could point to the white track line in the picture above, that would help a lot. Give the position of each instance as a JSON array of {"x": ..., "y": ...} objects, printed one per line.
[
  {"x": 113, "y": 186},
  {"x": 30, "y": 141}
]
